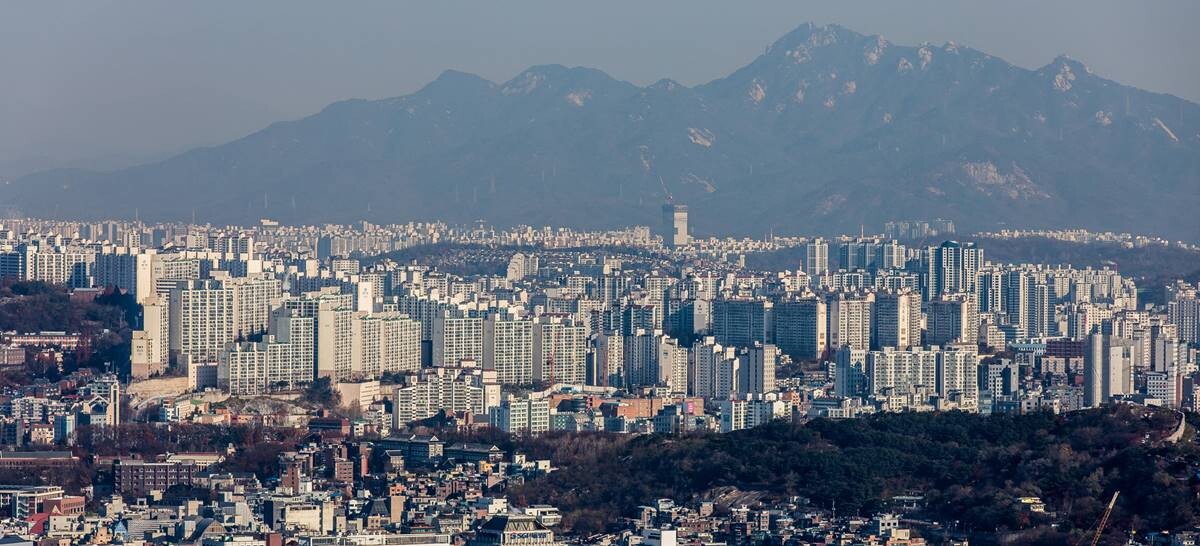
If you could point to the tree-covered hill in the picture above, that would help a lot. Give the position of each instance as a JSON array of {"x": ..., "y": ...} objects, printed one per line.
[{"x": 969, "y": 468}]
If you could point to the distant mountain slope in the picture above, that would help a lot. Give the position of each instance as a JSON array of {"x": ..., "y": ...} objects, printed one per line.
[{"x": 826, "y": 130}]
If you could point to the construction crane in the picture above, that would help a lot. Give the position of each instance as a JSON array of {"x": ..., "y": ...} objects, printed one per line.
[{"x": 1102, "y": 523}]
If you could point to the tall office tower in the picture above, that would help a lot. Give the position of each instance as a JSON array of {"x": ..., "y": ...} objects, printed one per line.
[
  {"x": 950, "y": 268},
  {"x": 757, "y": 368},
  {"x": 958, "y": 376},
  {"x": 816, "y": 258},
  {"x": 201, "y": 319},
  {"x": 708, "y": 355},
  {"x": 952, "y": 319},
  {"x": 1184, "y": 312},
  {"x": 253, "y": 300},
  {"x": 672, "y": 366},
  {"x": 508, "y": 349},
  {"x": 608, "y": 350},
  {"x": 850, "y": 320},
  {"x": 456, "y": 339},
  {"x": 801, "y": 328},
  {"x": 641, "y": 358},
  {"x": 741, "y": 322},
  {"x": 901, "y": 372},
  {"x": 850, "y": 372},
  {"x": 150, "y": 345},
  {"x": 675, "y": 225},
  {"x": 1107, "y": 369},
  {"x": 291, "y": 357},
  {"x": 559, "y": 351},
  {"x": 896, "y": 320}
]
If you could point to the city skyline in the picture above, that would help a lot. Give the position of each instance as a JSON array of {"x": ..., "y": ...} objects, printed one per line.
[{"x": 920, "y": 273}]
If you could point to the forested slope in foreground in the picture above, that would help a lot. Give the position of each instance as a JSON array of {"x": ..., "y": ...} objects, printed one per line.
[{"x": 969, "y": 468}]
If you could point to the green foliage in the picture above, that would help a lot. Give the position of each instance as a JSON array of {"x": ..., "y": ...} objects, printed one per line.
[{"x": 969, "y": 468}]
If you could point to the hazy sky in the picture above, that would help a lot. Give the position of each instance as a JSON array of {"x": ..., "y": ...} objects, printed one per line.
[{"x": 97, "y": 78}]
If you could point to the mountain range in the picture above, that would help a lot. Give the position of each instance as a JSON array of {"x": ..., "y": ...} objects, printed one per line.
[{"x": 827, "y": 130}]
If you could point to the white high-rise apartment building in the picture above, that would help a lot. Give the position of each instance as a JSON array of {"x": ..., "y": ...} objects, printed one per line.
[
  {"x": 641, "y": 358},
  {"x": 757, "y": 368},
  {"x": 292, "y": 357},
  {"x": 456, "y": 339},
  {"x": 709, "y": 357},
  {"x": 951, "y": 267},
  {"x": 1184, "y": 312},
  {"x": 149, "y": 347},
  {"x": 523, "y": 415},
  {"x": 850, "y": 320},
  {"x": 952, "y": 319},
  {"x": 166, "y": 270},
  {"x": 243, "y": 369},
  {"x": 751, "y": 410},
  {"x": 958, "y": 375},
  {"x": 952, "y": 373},
  {"x": 253, "y": 300},
  {"x": 201, "y": 319},
  {"x": 126, "y": 267},
  {"x": 283, "y": 359},
  {"x": 508, "y": 349},
  {"x": 901, "y": 372},
  {"x": 446, "y": 389},
  {"x": 801, "y": 327},
  {"x": 673, "y": 366},
  {"x": 897, "y": 320},
  {"x": 609, "y": 359},
  {"x": 1107, "y": 369},
  {"x": 385, "y": 343},
  {"x": 334, "y": 344},
  {"x": 70, "y": 266},
  {"x": 559, "y": 351},
  {"x": 333, "y": 330}
]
